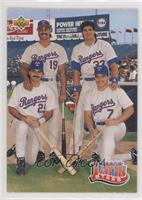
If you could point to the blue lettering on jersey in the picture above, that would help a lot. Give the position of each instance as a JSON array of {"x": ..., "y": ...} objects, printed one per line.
[
  {"x": 43, "y": 58},
  {"x": 102, "y": 105},
  {"x": 26, "y": 103},
  {"x": 90, "y": 57}
]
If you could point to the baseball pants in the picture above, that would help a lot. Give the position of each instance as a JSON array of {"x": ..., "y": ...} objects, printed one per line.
[
  {"x": 78, "y": 121},
  {"x": 27, "y": 142},
  {"x": 107, "y": 141}
]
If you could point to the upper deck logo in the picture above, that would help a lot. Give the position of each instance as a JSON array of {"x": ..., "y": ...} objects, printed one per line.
[
  {"x": 20, "y": 26},
  {"x": 21, "y": 22},
  {"x": 109, "y": 172}
]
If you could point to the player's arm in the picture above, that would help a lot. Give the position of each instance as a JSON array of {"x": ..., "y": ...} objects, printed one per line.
[
  {"x": 76, "y": 68},
  {"x": 114, "y": 75},
  {"x": 89, "y": 123},
  {"x": 76, "y": 84},
  {"x": 112, "y": 61},
  {"x": 30, "y": 120},
  {"x": 25, "y": 74},
  {"x": 114, "y": 70},
  {"x": 15, "y": 113},
  {"x": 63, "y": 82},
  {"x": 127, "y": 112}
]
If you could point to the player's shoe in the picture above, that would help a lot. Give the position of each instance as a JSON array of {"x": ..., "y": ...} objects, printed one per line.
[
  {"x": 96, "y": 157},
  {"x": 40, "y": 156},
  {"x": 134, "y": 156},
  {"x": 53, "y": 158},
  {"x": 20, "y": 167},
  {"x": 11, "y": 151}
]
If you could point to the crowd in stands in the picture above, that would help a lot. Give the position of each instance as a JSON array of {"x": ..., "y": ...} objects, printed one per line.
[
  {"x": 128, "y": 70},
  {"x": 13, "y": 65}
]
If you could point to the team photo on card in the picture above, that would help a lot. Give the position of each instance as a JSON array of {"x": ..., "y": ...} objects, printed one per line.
[{"x": 72, "y": 77}]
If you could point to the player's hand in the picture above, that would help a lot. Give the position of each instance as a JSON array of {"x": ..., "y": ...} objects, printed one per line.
[
  {"x": 114, "y": 86},
  {"x": 31, "y": 121},
  {"x": 94, "y": 133},
  {"x": 75, "y": 97},
  {"x": 111, "y": 122},
  {"x": 62, "y": 97},
  {"x": 28, "y": 85}
]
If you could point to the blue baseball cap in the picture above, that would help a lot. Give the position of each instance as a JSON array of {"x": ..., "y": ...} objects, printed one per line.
[
  {"x": 44, "y": 23},
  {"x": 36, "y": 65},
  {"x": 101, "y": 70}
]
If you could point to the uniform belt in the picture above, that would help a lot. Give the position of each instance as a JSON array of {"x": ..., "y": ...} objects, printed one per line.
[
  {"x": 89, "y": 78},
  {"x": 100, "y": 123},
  {"x": 48, "y": 79}
]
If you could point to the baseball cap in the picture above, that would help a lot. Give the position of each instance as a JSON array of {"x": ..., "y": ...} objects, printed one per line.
[
  {"x": 36, "y": 65},
  {"x": 101, "y": 70},
  {"x": 44, "y": 23}
]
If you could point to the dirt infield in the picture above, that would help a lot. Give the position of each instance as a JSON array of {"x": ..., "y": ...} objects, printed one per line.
[{"x": 121, "y": 147}]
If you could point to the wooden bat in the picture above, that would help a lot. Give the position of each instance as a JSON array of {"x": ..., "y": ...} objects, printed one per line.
[
  {"x": 76, "y": 156},
  {"x": 63, "y": 160},
  {"x": 63, "y": 131}
]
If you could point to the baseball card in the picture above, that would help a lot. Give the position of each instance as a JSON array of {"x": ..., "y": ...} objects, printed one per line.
[{"x": 72, "y": 99}]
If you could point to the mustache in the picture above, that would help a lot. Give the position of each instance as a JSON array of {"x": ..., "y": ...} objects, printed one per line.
[
  {"x": 36, "y": 76},
  {"x": 43, "y": 34}
]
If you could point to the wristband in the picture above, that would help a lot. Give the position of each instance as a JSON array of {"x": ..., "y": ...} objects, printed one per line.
[
  {"x": 77, "y": 88},
  {"x": 41, "y": 120},
  {"x": 114, "y": 79}
]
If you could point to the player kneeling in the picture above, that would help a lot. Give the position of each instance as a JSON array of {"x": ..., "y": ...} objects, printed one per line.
[
  {"x": 30, "y": 109},
  {"x": 104, "y": 107}
]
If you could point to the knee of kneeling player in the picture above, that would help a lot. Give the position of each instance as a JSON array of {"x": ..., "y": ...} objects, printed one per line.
[
  {"x": 108, "y": 133},
  {"x": 22, "y": 125}
]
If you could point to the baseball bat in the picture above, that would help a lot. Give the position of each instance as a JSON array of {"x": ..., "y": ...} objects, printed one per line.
[
  {"x": 63, "y": 131},
  {"x": 61, "y": 170},
  {"x": 71, "y": 96},
  {"x": 63, "y": 160}
]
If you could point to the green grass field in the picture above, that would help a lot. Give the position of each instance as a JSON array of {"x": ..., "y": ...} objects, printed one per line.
[{"x": 43, "y": 179}]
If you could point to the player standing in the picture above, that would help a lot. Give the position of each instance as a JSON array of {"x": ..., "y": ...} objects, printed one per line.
[
  {"x": 30, "y": 108},
  {"x": 104, "y": 107},
  {"x": 85, "y": 57},
  {"x": 54, "y": 58}
]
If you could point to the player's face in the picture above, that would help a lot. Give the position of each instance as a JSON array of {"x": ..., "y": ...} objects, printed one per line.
[
  {"x": 35, "y": 75},
  {"x": 88, "y": 33},
  {"x": 44, "y": 33},
  {"x": 101, "y": 81}
]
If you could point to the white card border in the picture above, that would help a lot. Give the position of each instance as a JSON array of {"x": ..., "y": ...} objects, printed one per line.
[{"x": 3, "y": 101}]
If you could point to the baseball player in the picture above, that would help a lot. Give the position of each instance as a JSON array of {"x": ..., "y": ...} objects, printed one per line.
[
  {"x": 85, "y": 57},
  {"x": 30, "y": 108},
  {"x": 104, "y": 107},
  {"x": 54, "y": 58}
]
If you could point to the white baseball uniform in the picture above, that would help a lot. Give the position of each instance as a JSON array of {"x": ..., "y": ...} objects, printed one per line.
[
  {"x": 84, "y": 59},
  {"x": 33, "y": 103},
  {"x": 108, "y": 104},
  {"x": 52, "y": 56}
]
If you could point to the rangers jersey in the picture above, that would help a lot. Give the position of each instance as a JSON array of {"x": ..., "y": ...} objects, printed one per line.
[
  {"x": 52, "y": 56},
  {"x": 107, "y": 104},
  {"x": 34, "y": 102},
  {"x": 85, "y": 58}
]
